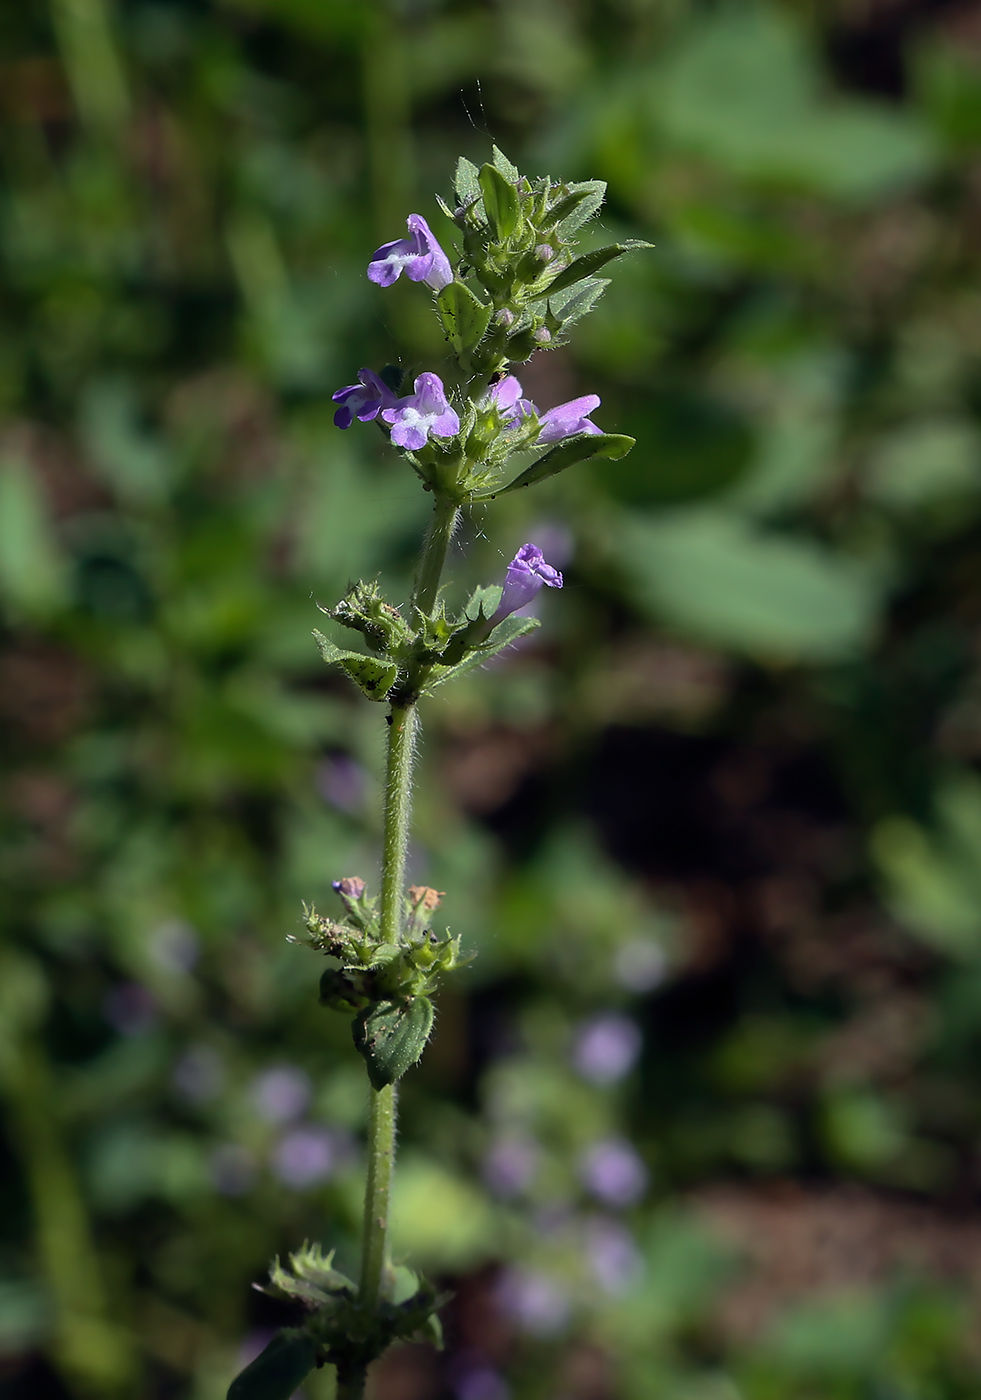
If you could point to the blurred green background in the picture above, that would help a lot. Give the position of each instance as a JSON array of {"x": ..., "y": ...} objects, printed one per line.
[{"x": 702, "y": 1122}]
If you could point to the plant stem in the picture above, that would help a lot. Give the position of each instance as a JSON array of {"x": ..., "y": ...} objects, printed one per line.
[
  {"x": 381, "y": 1161},
  {"x": 398, "y": 805},
  {"x": 434, "y": 549}
]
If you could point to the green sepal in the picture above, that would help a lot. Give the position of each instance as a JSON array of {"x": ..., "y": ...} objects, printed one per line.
[
  {"x": 375, "y": 676},
  {"x": 578, "y": 206},
  {"x": 278, "y": 1370},
  {"x": 484, "y": 601},
  {"x": 465, "y": 317},
  {"x": 391, "y": 1036},
  {"x": 501, "y": 202},
  {"x": 313, "y": 1278},
  {"x": 589, "y": 263},
  {"x": 502, "y": 636},
  {"x": 611, "y": 446}
]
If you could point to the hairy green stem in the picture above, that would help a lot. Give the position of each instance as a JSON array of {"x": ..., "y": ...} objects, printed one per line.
[
  {"x": 434, "y": 549},
  {"x": 381, "y": 1162},
  {"x": 402, "y": 725}
]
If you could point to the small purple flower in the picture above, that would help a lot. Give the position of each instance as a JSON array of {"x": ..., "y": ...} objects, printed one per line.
[
  {"x": 419, "y": 256},
  {"x": 351, "y": 887},
  {"x": 568, "y": 419},
  {"x": 506, "y": 397},
  {"x": 527, "y": 572},
  {"x": 282, "y": 1094},
  {"x": 612, "y": 1254},
  {"x": 606, "y": 1048},
  {"x": 363, "y": 400},
  {"x": 534, "y": 1301},
  {"x": 613, "y": 1172},
  {"x": 426, "y": 411},
  {"x": 305, "y": 1157},
  {"x": 510, "y": 1165}
]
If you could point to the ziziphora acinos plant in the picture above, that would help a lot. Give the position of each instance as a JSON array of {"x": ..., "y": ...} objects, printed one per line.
[{"x": 517, "y": 287}]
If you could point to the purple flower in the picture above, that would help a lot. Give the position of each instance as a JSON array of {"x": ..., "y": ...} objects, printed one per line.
[
  {"x": 304, "y": 1157},
  {"x": 568, "y": 419},
  {"x": 281, "y": 1094},
  {"x": 527, "y": 572},
  {"x": 534, "y": 1301},
  {"x": 612, "y": 1254},
  {"x": 419, "y": 256},
  {"x": 613, "y": 1172},
  {"x": 510, "y": 1165},
  {"x": 424, "y": 412},
  {"x": 606, "y": 1048},
  {"x": 506, "y": 397},
  {"x": 363, "y": 400}
]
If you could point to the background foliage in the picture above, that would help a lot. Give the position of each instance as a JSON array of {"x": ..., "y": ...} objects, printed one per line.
[{"x": 702, "y": 1121}]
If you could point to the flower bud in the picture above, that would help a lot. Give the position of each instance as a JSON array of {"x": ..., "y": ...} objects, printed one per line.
[
  {"x": 542, "y": 335},
  {"x": 352, "y": 887},
  {"x": 544, "y": 253},
  {"x": 505, "y": 317}
]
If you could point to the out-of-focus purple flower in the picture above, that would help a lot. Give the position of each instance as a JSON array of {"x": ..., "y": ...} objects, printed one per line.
[
  {"x": 130, "y": 1009},
  {"x": 510, "y": 1165},
  {"x": 640, "y": 965},
  {"x": 568, "y": 419},
  {"x": 280, "y": 1095},
  {"x": 482, "y": 1383},
  {"x": 614, "y": 1258},
  {"x": 419, "y": 256},
  {"x": 534, "y": 1301},
  {"x": 174, "y": 946},
  {"x": 613, "y": 1172},
  {"x": 233, "y": 1169},
  {"x": 606, "y": 1048},
  {"x": 199, "y": 1074},
  {"x": 425, "y": 411},
  {"x": 506, "y": 397},
  {"x": 342, "y": 782},
  {"x": 527, "y": 572},
  {"x": 304, "y": 1157},
  {"x": 364, "y": 400}
]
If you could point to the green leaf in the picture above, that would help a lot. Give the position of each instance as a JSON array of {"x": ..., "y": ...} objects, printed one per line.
[
  {"x": 501, "y": 163},
  {"x": 278, "y": 1370},
  {"x": 722, "y": 579},
  {"x": 502, "y": 636},
  {"x": 374, "y": 675},
  {"x": 574, "y": 303},
  {"x": 466, "y": 184},
  {"x": 578, "y": 206},
  {"x": 501, "y": 202},
  {"x": 465, "y": 318},
  {"x": 589, "y": 263},
  {"x": 391, "y": 1036},
  {"x": 611, "y": 446},
  {"x": 32, "y": 578}
]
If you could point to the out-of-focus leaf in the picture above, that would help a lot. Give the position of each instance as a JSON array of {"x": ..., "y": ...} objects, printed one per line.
[
  {"x": 926, "y": 460},
  {"x": 32, "y": 574},
  {"x": 766, "y": 594},
  {"x": 744, "y": 90},
  {"x": 438, "y": 1219}
]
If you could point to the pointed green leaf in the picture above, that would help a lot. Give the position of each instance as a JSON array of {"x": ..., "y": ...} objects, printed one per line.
[
  {"x": 391, "y": 1036},
  {"x": 578, "y": 206},
  {"x": 589, "y": 263},
  {"x": 575, "y": 302},
  {"x": 278, "y": 1370},
  {"x": 501, "y": 162},
  {"x": 611, "y": 446},
  {"x": 500, "y": 201},
  {"x": 502, "y": 636},
  {"x": 466, "y": 184},
  {"x": 374, "y": 675},
  {"x": 465, "y": 318}
]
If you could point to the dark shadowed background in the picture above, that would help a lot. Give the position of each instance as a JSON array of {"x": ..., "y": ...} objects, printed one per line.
[{"x": 702, "y": 1121}]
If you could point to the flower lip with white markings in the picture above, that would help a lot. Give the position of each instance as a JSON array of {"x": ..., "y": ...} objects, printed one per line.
[
  {"x": 425, "y": 411},
  {"x": 419, "y": 256}
]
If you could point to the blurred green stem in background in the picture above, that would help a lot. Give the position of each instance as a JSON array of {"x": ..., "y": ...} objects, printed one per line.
[
  {"x": 387, "y": 115},
  {"x": 95, "y": 71},
  {"x": 94, "y": 1354}
]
